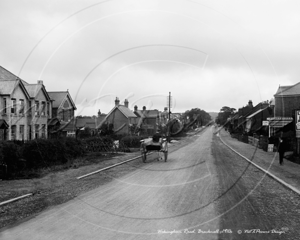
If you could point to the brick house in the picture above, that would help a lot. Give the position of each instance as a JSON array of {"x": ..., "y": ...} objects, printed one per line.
[
  {"x": 90, "y": 122},
  {"x": 287, "y": 100},
  {"x": 39, "y": 110},
  {"x": 14, "y": 102},
  {"x": 28, "y": 111},
  {"x": 62, "y": 123},
  {"x": 121, "y": 117}
]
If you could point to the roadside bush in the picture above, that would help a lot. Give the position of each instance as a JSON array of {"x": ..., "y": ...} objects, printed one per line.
[
  {"x": 98, "y": 144},
  {"x": 74, "y": 148},
  {"x": 131, "y": 141},
  {"x": 9, "y": 157},
  {"x": 41, "y": 153}
]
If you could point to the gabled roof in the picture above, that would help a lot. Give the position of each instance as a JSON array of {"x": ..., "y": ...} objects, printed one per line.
[
  {"x": 59, "y": 98},
  {"x": 7, "y": 87},
  {"x": 89, "y": 122},
  {"x": 34, "y": 89},
  {"x": 126, "y": 112},
  {"x": 67, "y": 126},
  {"x": 288, "y": 90},
  {"x": 7, "y": 75},
  {"x": 258, "y": 111}
]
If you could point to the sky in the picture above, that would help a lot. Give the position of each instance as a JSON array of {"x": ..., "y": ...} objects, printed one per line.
[{"x": 207, "y": 54}]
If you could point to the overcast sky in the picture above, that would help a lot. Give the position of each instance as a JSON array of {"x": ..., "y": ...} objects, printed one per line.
[{"x": 208, "y": 54}]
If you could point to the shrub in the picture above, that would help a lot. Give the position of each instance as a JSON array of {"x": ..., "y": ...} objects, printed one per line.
[
  {"x": 41, "y": 153},
  {"x": 74, "y": 148},
  {"x": 131, "y": 141},
  {"x": 9, "y": 157},
  {"x": 99, "y": 144}
]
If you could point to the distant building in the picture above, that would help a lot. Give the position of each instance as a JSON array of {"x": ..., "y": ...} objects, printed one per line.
[
  {"x": 63, "y": 122},
  {"x": 121, "y": 117},
  {"x": 148, "y": 120}
]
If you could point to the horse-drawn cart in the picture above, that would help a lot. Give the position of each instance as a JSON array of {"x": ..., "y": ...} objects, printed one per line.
[{"x": 154, "y": 144}]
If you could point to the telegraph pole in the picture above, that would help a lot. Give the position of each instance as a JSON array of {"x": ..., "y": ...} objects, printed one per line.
[
  {"x": 169, "y": 126},
  {"x": 169, "y": 106}
]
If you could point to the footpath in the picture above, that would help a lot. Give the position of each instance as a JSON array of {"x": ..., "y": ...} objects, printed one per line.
[{"x": 289, "y": 172}]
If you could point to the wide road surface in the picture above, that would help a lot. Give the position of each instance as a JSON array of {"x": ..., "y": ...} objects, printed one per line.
[{"x": 204, "y": 191}]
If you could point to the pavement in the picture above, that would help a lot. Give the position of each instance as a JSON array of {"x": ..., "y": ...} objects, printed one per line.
[{"x": 289, "y": 172}]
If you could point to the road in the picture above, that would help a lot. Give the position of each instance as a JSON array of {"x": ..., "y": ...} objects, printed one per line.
[{"x": 203, "y": 191}]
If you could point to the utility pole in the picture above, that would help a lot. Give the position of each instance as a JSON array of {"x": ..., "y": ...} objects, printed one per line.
[
  {"x": 169, "y": 106},
  {"x": 169, "y": 126}
]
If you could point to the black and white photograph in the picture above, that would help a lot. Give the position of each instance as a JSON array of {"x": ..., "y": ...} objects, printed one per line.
[{"x": 149, "y": 119}]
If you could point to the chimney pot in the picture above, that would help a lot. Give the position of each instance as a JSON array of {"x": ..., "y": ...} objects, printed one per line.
[
  {"x": 126, "y": 103},
  {"x": 117, "y": 101}
]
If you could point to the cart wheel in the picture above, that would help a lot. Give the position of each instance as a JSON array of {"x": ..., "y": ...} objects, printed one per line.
[
  {"x": 144, "y": 155},
  {"x": 166, "y": 155}
]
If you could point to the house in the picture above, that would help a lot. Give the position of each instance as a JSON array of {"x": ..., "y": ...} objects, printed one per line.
[
  {"x": 63, "y": 110},
  {"x": 238, "y": 121},
  {"x": 254, "y": 122},
  {"x": 148, "y": 120},
  {"x": 287, "y": 101},
  {"x": 14, "y": 105},
  {"x": 39, "y": 110},
  {"x": 90, "y": 122},
  {"x": 121, "y": 117},
  {"x": 63, "y": 106},
  {"x": 28, "y": 111}
]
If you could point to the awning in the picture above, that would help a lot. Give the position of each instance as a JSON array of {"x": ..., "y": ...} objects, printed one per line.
[
  {"x": 255, "y": 113},
  {"x": 278, "y": 122}
]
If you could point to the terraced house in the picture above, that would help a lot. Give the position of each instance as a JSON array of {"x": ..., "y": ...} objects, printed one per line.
[{"x": 26, "y": 109}]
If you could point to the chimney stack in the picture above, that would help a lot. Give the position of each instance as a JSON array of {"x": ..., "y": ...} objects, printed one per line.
[
  {"x": 117, "y": 101},
  {"x": 250, "y": 104},
  {"x": 135, "y": 108},
  {"x": 126, "y": 103},
  {"x": 40, "y": 82}
]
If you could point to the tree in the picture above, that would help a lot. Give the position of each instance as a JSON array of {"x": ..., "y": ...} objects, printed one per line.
[
  {"x": 224, "y": 114},
  {"x": 200, "y": 117}
]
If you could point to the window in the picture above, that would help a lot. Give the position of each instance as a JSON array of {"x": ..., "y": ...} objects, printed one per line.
[
  {"x": 4, "y": 105},
  {"x": 21, "y": 110},
  {"x": 48, "y": 109},
  {"x": 29, "y": 108},
  {"x": 29, "y": 132},
  {"x": 21, "y": 131},
  {"x": 44, "y": 131},
  {"x": 13, "y": 132},
  {"x": 37, "y": 108},
  {"x": 37, "y": 129},
  {"x": 43, "y": 111},
  {"x": 13, "y": 106}
]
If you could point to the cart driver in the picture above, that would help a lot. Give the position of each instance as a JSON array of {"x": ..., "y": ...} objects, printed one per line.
[{"x": 156, "y": 137}]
